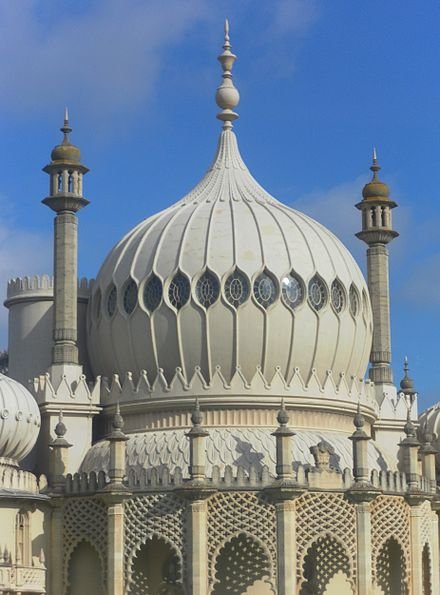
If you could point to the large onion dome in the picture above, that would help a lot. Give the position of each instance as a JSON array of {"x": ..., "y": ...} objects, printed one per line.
[
  {"x": 231, "y": 277},
  {"x": 19, "y": 420}
]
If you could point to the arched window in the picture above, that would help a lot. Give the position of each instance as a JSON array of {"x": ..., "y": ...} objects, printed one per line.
[
  {"x": 292, "y": 290},
  {"x": 426, "y": 570},
  {"x": 130, "y": 296},
  {"x": 318, "y": 295},
  {"x": 111, "y": 301},
  {"x": 390, "y": 569},
  {"x": 242, "y": 566},
  {"x": 207, "y": 289},
  {"x": 326, "y": 564},
  {"x": 85, "y": 571},
  {"x": 22, "y": 539},
  {"x": 179, "y": 290},
  {"x": 70, "y": 182},
  {"x": 338, "y": 296},
  {"x": 354, "y": 300},
  {"x": 59, "y": 181},
  {"x": 237, "y": 288},
  {"x": 152, "y": 293},
  {"x": 155, "y": 569},
  {"x": 265, "y": 289}
]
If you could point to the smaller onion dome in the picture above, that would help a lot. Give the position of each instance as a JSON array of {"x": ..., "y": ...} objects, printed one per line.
[
  {"x": 19, "y": 420},
  {"x": 66, "y": 151},
  {"x": 376, "y": 189},
  {"x": 407, "y": 383}
]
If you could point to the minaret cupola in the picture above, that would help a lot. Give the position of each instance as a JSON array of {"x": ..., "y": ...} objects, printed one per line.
[{"x": 66, "y": 172}]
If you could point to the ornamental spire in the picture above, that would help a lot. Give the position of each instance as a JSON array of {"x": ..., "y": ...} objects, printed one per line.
[
  {"x": 66, "y": 129},
  {"x": 227, "y": 96},
  {"x": 375, "y": 167}
]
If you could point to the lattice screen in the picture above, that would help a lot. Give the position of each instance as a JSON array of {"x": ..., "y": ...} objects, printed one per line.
[
  {"x": 326, "y": 516},
  {"x": 390, "y": 519},
  {"x": 155, "y": 515},
  {"x": 85, "y": 519},
  {"x": 235, "y": 514}
]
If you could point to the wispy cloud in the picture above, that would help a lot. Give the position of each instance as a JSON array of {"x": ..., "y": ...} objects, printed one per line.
[
  {"x": 21, "y": 253},
  {"x": 422, "y": 284},
  {"x": 105, "y": 57}
]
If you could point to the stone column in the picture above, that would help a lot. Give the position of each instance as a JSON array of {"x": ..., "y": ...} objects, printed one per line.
[
  {"x": 56, "y": 562},
  {"x": 115, "y": 547},
  {"x": 65, "y": 350},
  {"x": 59, "y": 459},
  {"x": 435, "y": 547},
  {"x": 198, "y": 552},
  {"x": 416, "y": 546},
  {"x": 363, "y": 529},
  {"x": 286, "y": 547}
]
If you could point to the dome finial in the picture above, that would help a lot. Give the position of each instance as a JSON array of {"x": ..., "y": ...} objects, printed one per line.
[
  {"x": 227, "y": 96},
  {"x": 66, "y": 129},
  {"x": 375, "y": 167}
]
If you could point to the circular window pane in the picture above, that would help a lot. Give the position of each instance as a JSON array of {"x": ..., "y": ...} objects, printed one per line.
[
  {"x": 292, "y": 290},
  {"x": 317, "y": 293},
  {"x": 130, "y": 296},
  {"x": 179, "y": 291},
  {"x": 152, "y": 293},
  {"x": 237, "y": 288},
  {"x": 354, "y": 301},
  {"x": 111, "y": 301},
  {"x": 265, "y": 290},
  {"x": 338, "y": 296},
  {"x": 207, "y": 289}
]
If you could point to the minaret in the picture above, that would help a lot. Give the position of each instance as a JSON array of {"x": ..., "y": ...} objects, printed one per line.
[
  {"x": 64, "y": 385},
  {"x": 377, "y": 232},
  {"x": 65, "y": 198}
]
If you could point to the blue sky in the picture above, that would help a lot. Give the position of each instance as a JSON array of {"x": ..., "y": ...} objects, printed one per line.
[{"x": 320, "y": 82}]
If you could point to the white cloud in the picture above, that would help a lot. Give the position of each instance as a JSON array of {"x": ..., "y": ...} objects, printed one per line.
[
  {"x": 293, "y": 16},
  {"x": 422, "y": 284},
  {"x": 21, "y": 253},
  {"x": 105, "y": 59}
]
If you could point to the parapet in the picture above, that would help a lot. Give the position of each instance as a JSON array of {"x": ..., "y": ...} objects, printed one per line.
[{"x": 40, "y": 287}]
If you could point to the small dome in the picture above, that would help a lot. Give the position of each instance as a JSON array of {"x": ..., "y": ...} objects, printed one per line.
[
  {"x": 19, "y": 420},
  {"x": 376, "y": 189},
  {"x": 66, "y": 152}
]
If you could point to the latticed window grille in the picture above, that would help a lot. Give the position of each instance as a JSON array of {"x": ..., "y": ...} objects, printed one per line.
[
  {"x": 292, "y": 290},
  {"x": 390, "y": 519},
  {"x": 237, "y": 288},
  {"x": 232, "y": 514},
  {"x": 265, "y": 290},
  {"x": 338, "y": 296},
  {"x": 85, "y": 520},
  {"x": 179, "y": 290},
  {"x": 152, "y": 294},
  {"x": 130, "y": 296},
  {"x": 354, "y": 300},
  {"x": 111, "y": 301},
  {"x": 330, "y": 515},
  {"x": 318, "y": 295},
  {"x": 325, "y": 558},
  {"x": 207, "y": 289},
  {"x": 390, "y": 569},
  {"x": 241, "y": 563}
]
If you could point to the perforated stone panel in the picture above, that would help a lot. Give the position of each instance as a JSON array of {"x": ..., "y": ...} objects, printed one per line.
[
  {"x": 160, "y": 515},
  {"x": 85, "y": 519},
  {"x": 241, "y": 513},
  {"x": 325, "y": 515},
  {"x": 390, "y": 519}
]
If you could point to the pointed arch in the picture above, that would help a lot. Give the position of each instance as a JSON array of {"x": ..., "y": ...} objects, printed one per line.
[
  {"x": 242, "y": 566},
  {"x": 85, "y": 574},
  {"x": 155, "y": 566},
  {"x": 391, "y": 568},
  {"x": 326, "y": 563}
]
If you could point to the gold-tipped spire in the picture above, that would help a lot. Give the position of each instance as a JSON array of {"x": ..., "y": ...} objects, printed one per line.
[
  {"x": 376, "y": 189},
  {"x": 227, "y": 96}
]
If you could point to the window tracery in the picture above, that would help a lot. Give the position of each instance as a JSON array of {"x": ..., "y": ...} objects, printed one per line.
[
  {"x": 317, "y": 293},
  {"x": 338, "y": 296},
  {"x": 130, "y": 296},
  {"x": 111, "y": 301},
  {"x": 152, "y": 294},
  {"x": 207, "y": 289},
  {"x": 237, "y": 288},
  {"x": 292, "y": 290},
  {"x": 179, "y": 290},
  {"x": 265, "y": 290}
]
